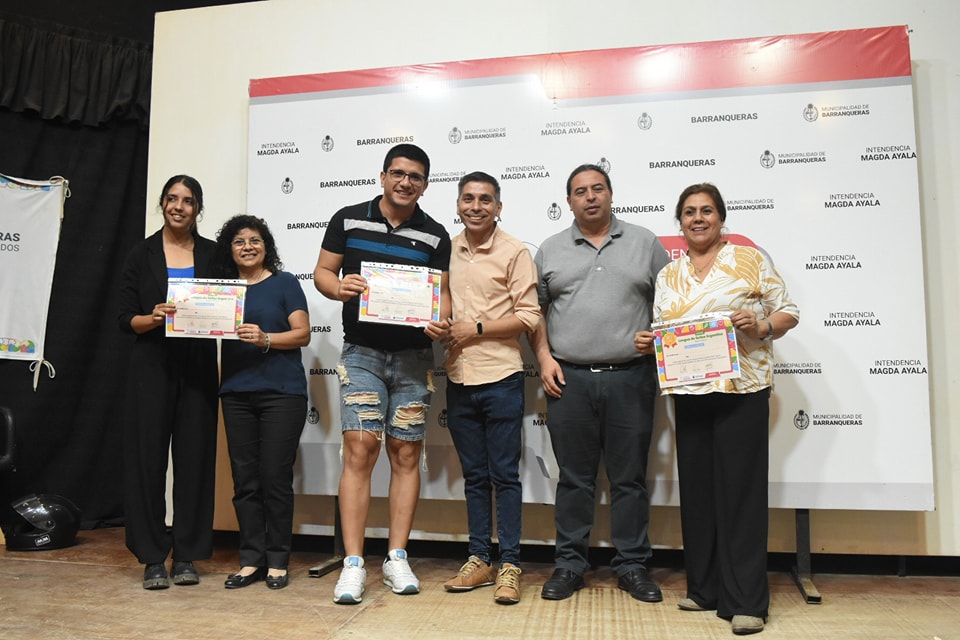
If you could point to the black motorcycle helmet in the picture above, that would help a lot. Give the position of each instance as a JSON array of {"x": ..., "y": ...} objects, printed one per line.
[{"x": 48, "y": 521}]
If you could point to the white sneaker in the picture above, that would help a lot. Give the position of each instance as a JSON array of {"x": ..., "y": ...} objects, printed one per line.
[
  {"x": 398, "y": 575},
  {"x": 349, "y": 589}
]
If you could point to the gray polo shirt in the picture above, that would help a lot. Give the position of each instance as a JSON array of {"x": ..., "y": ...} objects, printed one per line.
[{"x": 598, "y": 298}]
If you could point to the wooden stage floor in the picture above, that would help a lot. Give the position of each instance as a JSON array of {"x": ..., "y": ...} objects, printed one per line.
[{"x": 92, "y": 590}]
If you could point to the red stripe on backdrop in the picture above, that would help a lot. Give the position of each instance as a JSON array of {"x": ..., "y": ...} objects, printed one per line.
[{"x": 859, "y": 54}]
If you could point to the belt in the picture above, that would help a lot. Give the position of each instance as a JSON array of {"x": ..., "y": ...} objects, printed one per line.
[{"x": 598, "y": 367}]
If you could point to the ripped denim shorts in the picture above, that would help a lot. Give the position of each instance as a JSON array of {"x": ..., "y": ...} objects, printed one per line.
[{"x": 375, "y": 384}]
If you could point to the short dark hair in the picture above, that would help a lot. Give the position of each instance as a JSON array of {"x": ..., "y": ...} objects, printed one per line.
[
  {"x": 479, "y": 176},
  {"x": 588, "y": 167},
  {"x": 710, "y": 190},
  {"x": 410, "y": 152},
  {"x": 190, "y": 183},
  {"x": 223, "y": 255}
]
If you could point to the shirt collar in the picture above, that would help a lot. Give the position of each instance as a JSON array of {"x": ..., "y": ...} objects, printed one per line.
[
  {"x": 461, "y": 240},
  {"x": 416, "y": 220},
  {"x": 616, "y": 229}
]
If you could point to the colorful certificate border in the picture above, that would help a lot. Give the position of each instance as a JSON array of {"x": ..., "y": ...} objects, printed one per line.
[
  {"x": 673, "y": 333},
  {"x": 236, "y": 289},
  {"x": 432, "y": 277}
]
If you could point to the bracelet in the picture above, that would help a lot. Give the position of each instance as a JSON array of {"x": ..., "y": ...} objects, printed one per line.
[
  {"x": 769, "y": 335},
  {"x": 267, "y": 338}
]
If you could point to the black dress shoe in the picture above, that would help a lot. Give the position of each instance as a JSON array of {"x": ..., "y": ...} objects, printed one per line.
[
  {"x": 640, "y": 585},
  {"x": 278, "y": 582},
  {"x": 155, "y": 577},
  {"x": 184, "y": 573},
  {"x": 238, "y": 581},
  {"x": 561, "y": 585}
]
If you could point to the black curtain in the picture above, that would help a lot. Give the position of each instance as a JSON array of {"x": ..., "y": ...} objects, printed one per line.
[{"x": 75, "y": 104}]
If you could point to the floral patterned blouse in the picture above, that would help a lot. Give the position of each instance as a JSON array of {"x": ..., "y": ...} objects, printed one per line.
[{"x": 741, "y": 277}]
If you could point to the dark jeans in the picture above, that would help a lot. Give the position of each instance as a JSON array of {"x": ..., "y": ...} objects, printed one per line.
[
  {"x": 263, "y": 433},
  {"x": 486, "y": 423},
  {"x": 723, "y": 465},
  {"x": 608, "y": 414}
]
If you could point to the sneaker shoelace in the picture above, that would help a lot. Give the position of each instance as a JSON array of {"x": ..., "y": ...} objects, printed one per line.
[
  {"x": 401, "y": 571},
  {"x": 351, "y": 577},
  {"x": 509, "y": 577},
  {"x": 472, "y": 564}
]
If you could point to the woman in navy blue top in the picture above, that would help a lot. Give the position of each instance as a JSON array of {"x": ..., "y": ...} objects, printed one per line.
[{"x": 263, "y": 393}]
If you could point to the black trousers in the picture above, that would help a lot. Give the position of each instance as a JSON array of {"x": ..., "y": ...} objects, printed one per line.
[
  {"x": 171, "y": 411},
  {"x": 722, "y": 463},
  {"x": 263, "y": 434},
  {"x": 604, "y": 415}
]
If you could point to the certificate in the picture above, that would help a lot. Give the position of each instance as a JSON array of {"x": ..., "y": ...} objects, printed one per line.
[
  {"x": 695, "y": 350},
  {"x": 399, "y": 294},
  {"x": 205, "y": 308}
]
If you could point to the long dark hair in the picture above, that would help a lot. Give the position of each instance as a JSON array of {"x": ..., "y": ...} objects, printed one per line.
[
  {"x": 223, "y": 256},
  {"x": 190, "y": 183}
]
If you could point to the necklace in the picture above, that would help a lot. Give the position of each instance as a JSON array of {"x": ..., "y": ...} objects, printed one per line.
[
  {"x": 700, "y": 270},
  {"x": 257, "y": 279},
  {"x": 711, "y": 257}
]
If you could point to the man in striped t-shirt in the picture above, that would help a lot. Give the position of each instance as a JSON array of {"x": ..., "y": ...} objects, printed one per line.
[{"x": 385, "y": 370}]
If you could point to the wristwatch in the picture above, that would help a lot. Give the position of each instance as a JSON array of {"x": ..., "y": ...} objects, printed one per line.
[
  {"x": 769, "y": 335},
  {"x": 479, "y": 328}
]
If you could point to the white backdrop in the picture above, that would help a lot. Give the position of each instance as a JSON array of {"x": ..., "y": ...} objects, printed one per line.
[{"x": 810, "y": 138}]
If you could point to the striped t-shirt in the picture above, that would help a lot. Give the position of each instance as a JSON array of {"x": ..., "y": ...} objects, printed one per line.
[{"x": 360, "y": 233}]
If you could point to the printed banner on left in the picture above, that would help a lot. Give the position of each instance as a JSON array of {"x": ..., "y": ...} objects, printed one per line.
[{"x": 30, "y": 214}]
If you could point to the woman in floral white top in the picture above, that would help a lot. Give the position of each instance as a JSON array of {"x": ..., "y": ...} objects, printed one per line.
[{"x": 722, "y": 426}]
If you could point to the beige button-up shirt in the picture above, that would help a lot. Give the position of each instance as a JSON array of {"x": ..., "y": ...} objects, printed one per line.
[{"x": 495, "y": 281}]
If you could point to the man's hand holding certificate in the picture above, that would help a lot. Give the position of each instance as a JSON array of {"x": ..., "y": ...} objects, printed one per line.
[
  {"x": 693, "y": 350},
  {"x": 205, "y": 308},
  {"x": 400, "y": 294}
]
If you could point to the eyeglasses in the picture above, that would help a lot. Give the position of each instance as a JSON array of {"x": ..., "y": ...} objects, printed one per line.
[
  {"x": 415, "y": 178},
  {"x": 240, "y": 243}
]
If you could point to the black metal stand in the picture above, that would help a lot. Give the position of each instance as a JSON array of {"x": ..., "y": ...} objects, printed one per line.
[
  {"x": 801, "y": 572},
  {"x": 336, "y": 561}
]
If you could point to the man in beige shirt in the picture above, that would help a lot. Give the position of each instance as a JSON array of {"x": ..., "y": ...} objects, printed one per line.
[{"x": 493, "y": 284}]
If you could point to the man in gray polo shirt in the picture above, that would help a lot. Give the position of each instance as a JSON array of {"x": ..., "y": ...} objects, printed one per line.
[{"x": 596, "y": 282}]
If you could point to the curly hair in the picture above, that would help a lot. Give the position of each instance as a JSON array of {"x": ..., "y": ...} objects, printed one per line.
[{"x": 223, "y": 256}]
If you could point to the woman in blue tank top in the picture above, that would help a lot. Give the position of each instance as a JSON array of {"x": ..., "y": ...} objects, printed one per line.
[{"x": 171, "y": 397}]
